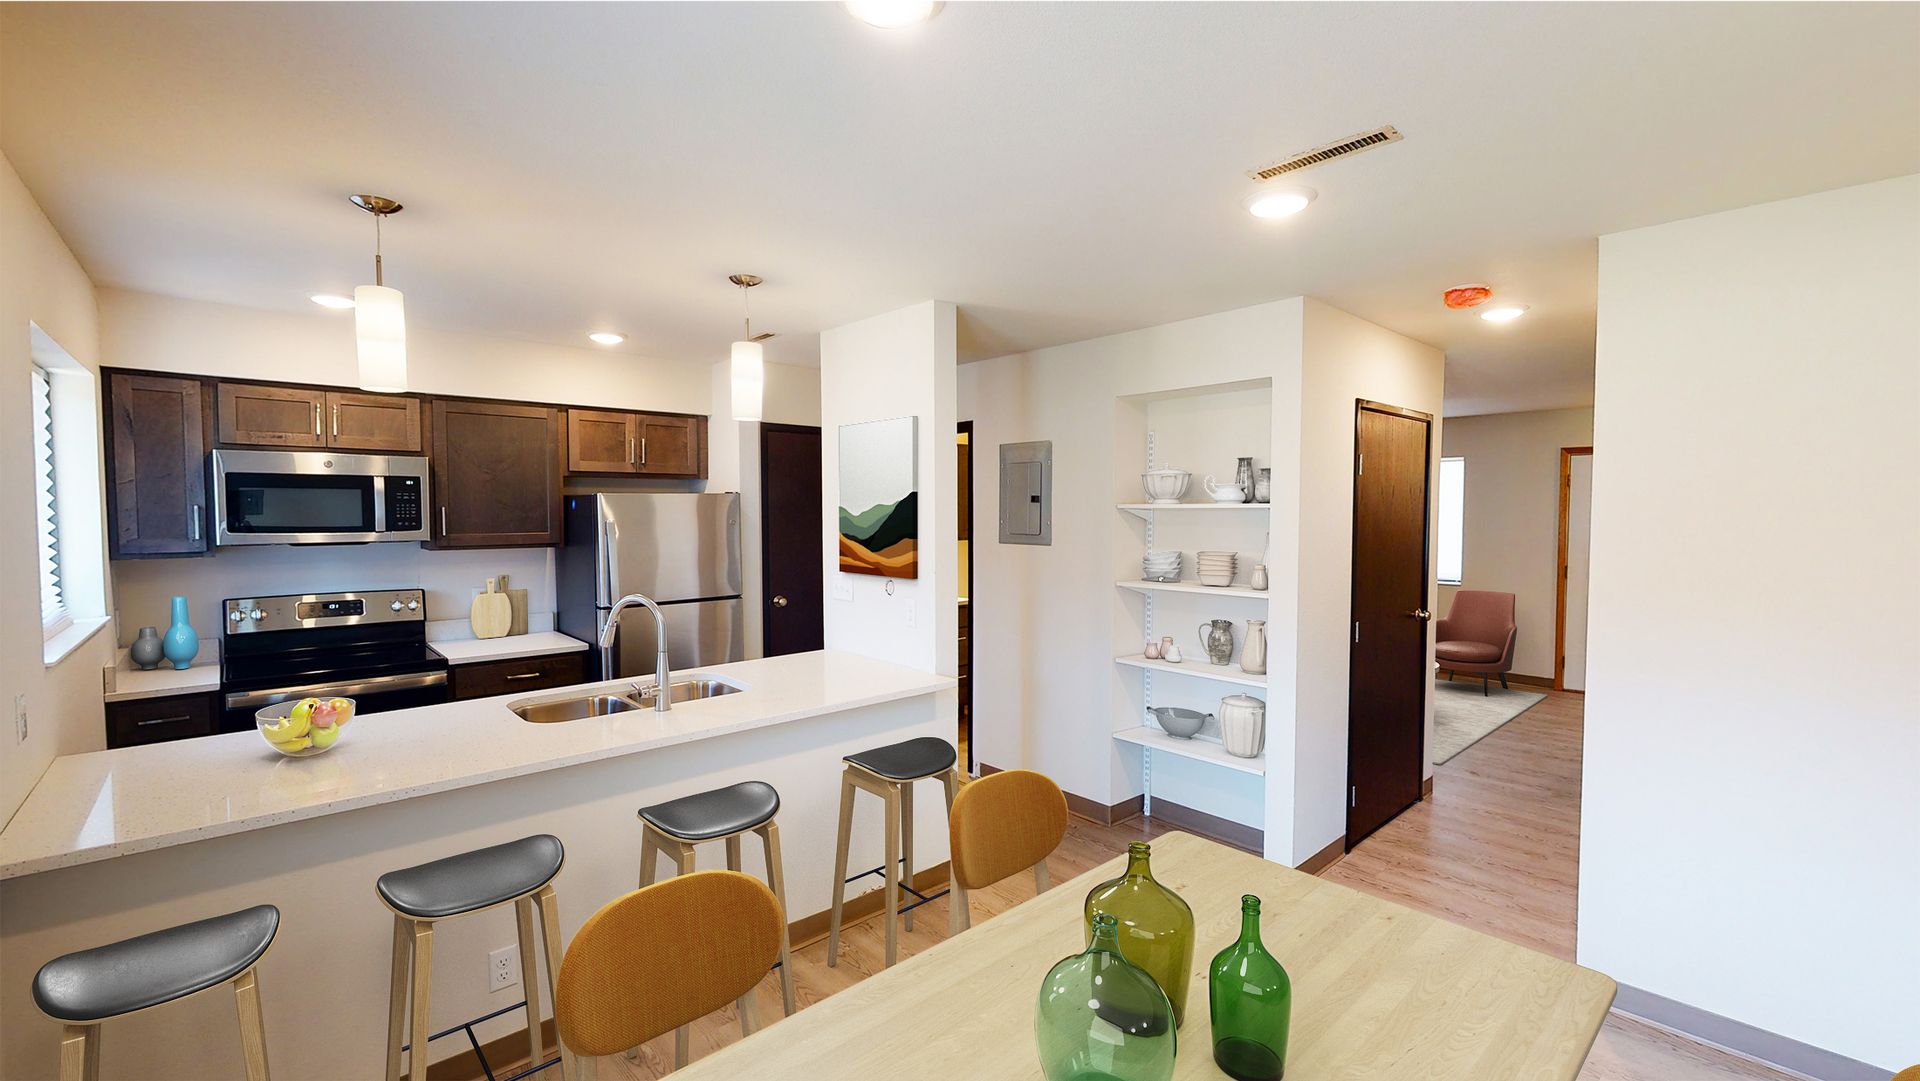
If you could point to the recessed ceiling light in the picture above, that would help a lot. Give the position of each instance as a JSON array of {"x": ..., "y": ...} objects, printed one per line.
[
  {"x": 1278, "y": 202},
  {"x": 892, "y": 14},
  {"x": 606, "y": 337},
  {"x": 1503, "y": 313},
  {"x": 332, "y": 300}
]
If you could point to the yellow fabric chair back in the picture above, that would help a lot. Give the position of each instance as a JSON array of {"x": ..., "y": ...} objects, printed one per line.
[
  {"x": 664, "y": 956},
  {"x": 1004, "y": 823}
]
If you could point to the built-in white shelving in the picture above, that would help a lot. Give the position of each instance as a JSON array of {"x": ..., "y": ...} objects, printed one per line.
[
  {"x": 1202, "y": 750},
  {"x": 1144, "y": 509},
  {"x": 1202, "y": 669},
  {"x": 1191, "y": 587}
]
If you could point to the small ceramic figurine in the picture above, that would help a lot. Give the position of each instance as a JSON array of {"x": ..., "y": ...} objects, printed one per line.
[{"x": 1172, "y": 655}]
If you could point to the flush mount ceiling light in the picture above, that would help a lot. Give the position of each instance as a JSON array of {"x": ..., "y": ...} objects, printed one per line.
[
  {"x": 606, "y": 337},
  {"x": 749, "y": 368},
  {"x": 332, "y": 300},
  {"x": 1504, "y": 312},
  {"x": 1272, "y": 203},
  {"x": 379, "y": 314},
  {"x": 892, "y": 14}
]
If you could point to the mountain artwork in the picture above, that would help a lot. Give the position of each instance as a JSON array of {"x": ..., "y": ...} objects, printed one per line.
[{"x": 880, "y": 498}]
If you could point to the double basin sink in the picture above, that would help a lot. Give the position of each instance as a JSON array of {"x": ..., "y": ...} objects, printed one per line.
[{"x": 605, "y": 704}]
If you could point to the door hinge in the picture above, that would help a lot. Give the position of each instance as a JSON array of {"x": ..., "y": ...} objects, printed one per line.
[
  {"x": 1356, "y": 630},
  {"x": 1361, "y": 470},
  {"x": 1353, "y": 796}
]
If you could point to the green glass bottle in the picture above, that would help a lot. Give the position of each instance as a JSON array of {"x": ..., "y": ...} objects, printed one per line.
[
  {"x": 1101, "y": 1018},
  {"x": 1252, "y": 1002},
  {"x": 1156, "y": 926}
]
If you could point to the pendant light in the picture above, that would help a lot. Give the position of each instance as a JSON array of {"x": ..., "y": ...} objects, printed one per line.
[
  {"x": 379, "y": 314},
  {"x": 749, "y": 361}
]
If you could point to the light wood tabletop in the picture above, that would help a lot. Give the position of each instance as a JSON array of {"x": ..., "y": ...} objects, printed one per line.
[{"x": 1379, "y": 991}]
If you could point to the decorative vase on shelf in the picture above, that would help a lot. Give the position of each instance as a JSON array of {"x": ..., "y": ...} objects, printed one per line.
[
  {"x": 1243, "y": 476},
  {"x": 1101, "y": 1018},
  {"x": 1151, "y": 651},
  {"x": 1156, "y": 926},
  {"x": 181, "y": 643},
  {"x": 1263, "y": 486},
  {"x": 1253, "y": 654},
  {"x": 1216, "y": 639},
  {"x": 1258, "y": 579},
  {"x": 1252, "y": 1003},
  {"x": 145, "y": 652}
]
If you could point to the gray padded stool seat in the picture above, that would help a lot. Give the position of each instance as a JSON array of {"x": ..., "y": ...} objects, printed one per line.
[
  {"x": 707, "y": 815},
  {"x": 472, "y": 880},
  {"x": 908, "y": 761},
  {"x": 140, "y": 972}
]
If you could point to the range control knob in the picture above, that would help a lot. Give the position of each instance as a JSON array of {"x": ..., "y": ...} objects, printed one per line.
[
  {"x": 256, "y": 615},
  {"x": 235, "y": 615},
  {"x": 413, "y": 606},
  {"x": 395, "y": 606}
]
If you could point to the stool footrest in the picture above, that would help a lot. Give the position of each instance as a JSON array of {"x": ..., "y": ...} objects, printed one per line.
[
  {"x": 474, "y": 1041},
  {"x": 904, "y": 887}
]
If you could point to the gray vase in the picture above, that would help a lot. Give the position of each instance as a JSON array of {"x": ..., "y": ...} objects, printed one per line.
[{"x": 146, "y": 649}]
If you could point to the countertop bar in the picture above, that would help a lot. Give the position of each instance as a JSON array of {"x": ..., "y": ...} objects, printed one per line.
[
  {"x": 96, "y": 806},
  {"x": 512, "y": 647}
]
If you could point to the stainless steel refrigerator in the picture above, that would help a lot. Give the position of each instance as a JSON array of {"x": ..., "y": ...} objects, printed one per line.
[{"x": 683, "y": 551}]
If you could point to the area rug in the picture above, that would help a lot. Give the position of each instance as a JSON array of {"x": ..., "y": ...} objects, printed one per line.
[{"x": 1463, "y": 717}]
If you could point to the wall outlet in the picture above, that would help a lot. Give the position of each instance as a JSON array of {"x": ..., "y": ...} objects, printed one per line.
[
  {"x": 20, "y": 718},
  {"x": 503, "y": 968}
]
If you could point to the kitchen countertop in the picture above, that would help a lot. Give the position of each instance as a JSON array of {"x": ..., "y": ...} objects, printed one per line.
[
  {"x": 131, "y": 683},
  {"x": 103, "y": 804},
  {"x": 512, "y": 647}
]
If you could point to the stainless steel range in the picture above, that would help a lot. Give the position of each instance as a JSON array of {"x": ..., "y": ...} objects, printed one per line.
[{"x": 370, "y": 646}]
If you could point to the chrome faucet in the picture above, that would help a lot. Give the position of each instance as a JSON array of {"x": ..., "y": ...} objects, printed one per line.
[{"x": 662, "y": 673}]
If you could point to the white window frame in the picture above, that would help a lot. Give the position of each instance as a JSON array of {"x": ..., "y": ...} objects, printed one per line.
[
  {"x": 55, "y": 615},
  {"x": 1450, "y": 517}
]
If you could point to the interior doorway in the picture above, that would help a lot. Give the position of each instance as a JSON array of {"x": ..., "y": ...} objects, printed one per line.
[
  {"x": 792, "y": 540},
  {"x": 964, "y": 458},
  {"x": 1388, "y": 670},
  {"x": 1570, "y": 600}
]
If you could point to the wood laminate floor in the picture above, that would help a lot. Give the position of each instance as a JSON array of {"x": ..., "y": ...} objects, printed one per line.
[{"x": 1495, "y": 849}]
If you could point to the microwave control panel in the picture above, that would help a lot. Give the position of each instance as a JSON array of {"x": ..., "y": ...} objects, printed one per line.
[{"x": 403, "y": 504}]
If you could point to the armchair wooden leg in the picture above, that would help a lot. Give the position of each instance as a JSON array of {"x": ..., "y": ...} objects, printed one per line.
[
  {"x": 749, "y": 1018},
  {"x": 840, "y": 869},
  {"x": 959, "y": 917},
  {"x": 253, "y": 1032},
  {"x": 397, "y": 994},
  {"x": 1040, "y": 880},
  {"x": 777, "y": 878}
]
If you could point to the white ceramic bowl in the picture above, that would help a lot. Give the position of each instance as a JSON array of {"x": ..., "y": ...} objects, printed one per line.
[
  {"x": 304, "y": 740},
  {"x": 1165, "y": 485}
]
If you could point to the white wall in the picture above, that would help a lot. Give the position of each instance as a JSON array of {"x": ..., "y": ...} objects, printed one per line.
[
  {"x": 792, "y": 397},
  {"x": 1748, "y": 821},
  {"x": 40, "y": 284},
  {"x": 1512, "y": 529}
]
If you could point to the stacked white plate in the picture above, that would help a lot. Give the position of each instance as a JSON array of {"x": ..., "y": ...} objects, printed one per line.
[
  {"x": 1215, "y": 568},
  {"x": 1160, "y": 567}
]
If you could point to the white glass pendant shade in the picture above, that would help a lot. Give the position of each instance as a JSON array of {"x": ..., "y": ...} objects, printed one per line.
[
  {"x": 380, "y": 324},
  {"x": 749, "y": 380}
]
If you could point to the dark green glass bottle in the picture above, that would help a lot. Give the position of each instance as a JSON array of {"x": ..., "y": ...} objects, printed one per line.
[
  {"x": 1252, "y": 1002},
  {"x": 1156, "y": 926},
  {"x": 1101, "y": 1018}
]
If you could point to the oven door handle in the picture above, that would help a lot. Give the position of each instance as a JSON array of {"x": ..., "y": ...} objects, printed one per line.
[{"x": 411, "y": 681}]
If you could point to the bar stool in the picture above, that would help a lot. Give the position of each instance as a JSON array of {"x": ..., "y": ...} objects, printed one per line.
[
  {"x": 676, "y": 826},
  {"x": 1001, "y": 825},
  {"x": 519, "y": 871},
  {"x": 85, "y": 989},
  {"x": 889, "y": 772}
]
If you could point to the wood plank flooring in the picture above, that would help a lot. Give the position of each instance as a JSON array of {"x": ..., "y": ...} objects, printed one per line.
[{"x": 1495, "y": 849}]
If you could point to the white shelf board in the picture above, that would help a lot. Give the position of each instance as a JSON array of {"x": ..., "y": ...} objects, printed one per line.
[
  {"x": 1191, "y": 587},
  {"x": 1144, "y": 509},
  {"x": 1224, "y": 673},
  {"x": 1197, "y": 749}
]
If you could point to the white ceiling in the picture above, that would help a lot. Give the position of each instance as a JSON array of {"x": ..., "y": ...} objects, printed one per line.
[{"x": 1060, "y": 170}]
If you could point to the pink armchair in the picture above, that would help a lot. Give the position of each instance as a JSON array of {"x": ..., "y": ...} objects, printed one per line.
[{"x": 1476, "y": 635}]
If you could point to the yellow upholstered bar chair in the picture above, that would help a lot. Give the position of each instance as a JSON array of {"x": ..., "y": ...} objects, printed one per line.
[
  {"x": 1001, "y": 825},
  {"x": 661, "y": 958}
]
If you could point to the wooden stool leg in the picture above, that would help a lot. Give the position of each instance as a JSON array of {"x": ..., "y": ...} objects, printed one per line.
[
  {"x": 529, "y": 977},
  {"x": 733, "y": 853},
  {"x": 93, "y": 1052},
  {"x": 77, "y": 1051},
  {"x": 253, "y": 1031},
  {"x": 397, "y": 994},
  {"x": 683, "y": 861},
  {"x": 840, "y": 868},
  {"x": 649, "y": 856},
  {"x": 777, "y": 878},
  {"x": 906, "y": 840},
  {"x": 422, "y": 995},
  {"x": 891, "y": 906},
  {"x": 570, "y": 1064}
]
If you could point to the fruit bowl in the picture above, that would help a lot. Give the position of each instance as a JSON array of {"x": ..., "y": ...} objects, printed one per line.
[{"x": 304, "y": 727}]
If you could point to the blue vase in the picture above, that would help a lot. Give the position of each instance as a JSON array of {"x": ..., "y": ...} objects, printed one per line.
[{"x": 181, "y": 643}]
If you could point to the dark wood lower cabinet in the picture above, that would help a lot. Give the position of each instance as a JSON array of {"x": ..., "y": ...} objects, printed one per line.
[
  {"x": 496, "y": 474},
  {"x": 157, "y": 720},
  {"x": 525, "y": 674}
]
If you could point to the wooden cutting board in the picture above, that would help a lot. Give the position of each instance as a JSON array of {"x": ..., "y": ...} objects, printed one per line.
[
  {"x": 492, "y": 613},
  {"x": 518, "y": 598}
]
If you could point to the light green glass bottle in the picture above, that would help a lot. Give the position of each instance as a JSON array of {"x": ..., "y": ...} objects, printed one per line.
[
  {"x": 1156, "y": 926},
  {"x": 1101, "y": 1018},
  {"x": 1252, "y": 1002}
]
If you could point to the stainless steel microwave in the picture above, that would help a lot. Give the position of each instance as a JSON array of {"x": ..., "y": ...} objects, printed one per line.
[{"x": 317, "y": 497}]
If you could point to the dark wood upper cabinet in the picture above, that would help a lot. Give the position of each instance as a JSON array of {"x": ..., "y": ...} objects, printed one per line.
[
  {"x": 496, "y": 474},
  {"x": 262, "y": 416},
  {"x": 671, "y": 446},
  {"x": 156, "y": 449},
  {"x": 602, "y": 442},
  {"x": 389, "y": 423}
]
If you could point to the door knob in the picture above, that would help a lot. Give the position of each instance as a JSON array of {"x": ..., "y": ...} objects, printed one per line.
[
  {"x": 1421, "y": 614},
  {"x": 779, "y": 601}
]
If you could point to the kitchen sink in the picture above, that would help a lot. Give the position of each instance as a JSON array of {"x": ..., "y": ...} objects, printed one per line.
[
  {"x": 604, "y": 705},
  {"x": 685, "y": 690}
]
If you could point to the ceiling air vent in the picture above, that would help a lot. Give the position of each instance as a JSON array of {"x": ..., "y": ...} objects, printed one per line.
[{"x": 1353, "y": 144}]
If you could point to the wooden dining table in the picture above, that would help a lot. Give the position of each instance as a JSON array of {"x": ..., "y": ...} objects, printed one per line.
[{"x": 1379, "y": 991}]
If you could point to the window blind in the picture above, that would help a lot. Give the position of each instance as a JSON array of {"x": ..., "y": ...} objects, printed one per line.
[{"x": 53, "y": 605}]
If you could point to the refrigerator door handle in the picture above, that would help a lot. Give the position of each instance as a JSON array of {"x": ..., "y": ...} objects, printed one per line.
[{"x": 607, "y": 573}]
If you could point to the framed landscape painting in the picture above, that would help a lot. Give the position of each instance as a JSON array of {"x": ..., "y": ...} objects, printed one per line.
[{"x": 880, "y": 498}]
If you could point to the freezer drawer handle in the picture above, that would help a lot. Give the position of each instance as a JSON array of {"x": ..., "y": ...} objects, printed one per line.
[
  {"x": 161, "y": 720},
  {"x": 412, "y": 681}
]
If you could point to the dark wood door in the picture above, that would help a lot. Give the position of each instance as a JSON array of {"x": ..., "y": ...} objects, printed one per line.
[
  {"x": 1389, "y": 671},
  {"x": 670, "y": 446},
  {"x": 602, "y": 442},
  {"x": 156, "y": 450},
  {"x": 381, "y": 423},
  {"x": 261, "y": 416},
  {"x": 792, "y": 539},
  {"x": 496, "y": 475}
]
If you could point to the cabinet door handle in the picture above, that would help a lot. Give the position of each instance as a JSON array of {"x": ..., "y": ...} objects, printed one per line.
[
  {"x": 336, "y": 419},
  {"x": 194, "y": 526},
  {"x": 643, "y": 450},
  {"x": 629, "y": 450},
  {"x": 523, "y": 675},
  {"x": 316, "y": 418},
  {"x": 443, "y": 520},
  {"x": 162, "y": 720}
]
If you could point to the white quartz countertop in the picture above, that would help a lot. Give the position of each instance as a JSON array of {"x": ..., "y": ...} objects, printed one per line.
[
  {"x": 95, "y": 806},
  {"x": 131, "y": 682},
  {"x": 513, "y": 647}
]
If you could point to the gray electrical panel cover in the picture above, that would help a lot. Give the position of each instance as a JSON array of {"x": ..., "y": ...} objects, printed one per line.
[{"x": 1026, "y": 493}]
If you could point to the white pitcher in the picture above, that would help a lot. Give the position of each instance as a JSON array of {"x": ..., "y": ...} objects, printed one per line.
[
  {"x": 1224, "y": 493},
  {"x": 1253, "y": 653}
]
